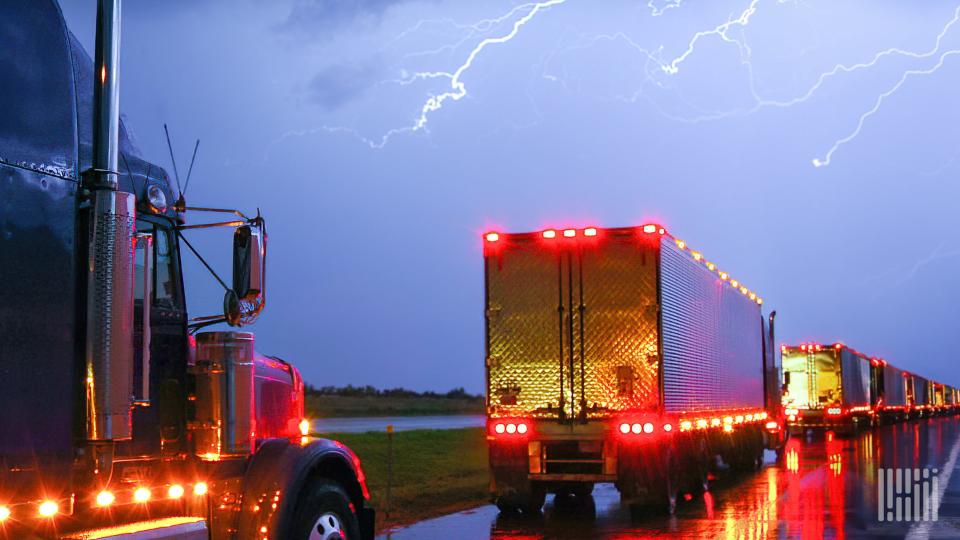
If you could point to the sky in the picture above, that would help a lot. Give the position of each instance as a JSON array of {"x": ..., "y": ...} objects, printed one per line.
[{"x": 381, "y": 138}]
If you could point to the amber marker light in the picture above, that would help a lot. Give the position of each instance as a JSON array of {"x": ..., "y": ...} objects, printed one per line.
[
  {"x": 175, "y": 491},
  {"x": 305, "y": 426},
  {"x": 48, "y": 509},
  {"x": 200, "y": 488},
  {"x": 105, "y": 498},
  {"x": 141, "y": 495},
  {"x": 590, "y": 231},
  {"x": 4, "y": 513}
]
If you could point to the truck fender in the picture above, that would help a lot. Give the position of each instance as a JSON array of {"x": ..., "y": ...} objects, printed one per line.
[{"x": 279, "y": 471}]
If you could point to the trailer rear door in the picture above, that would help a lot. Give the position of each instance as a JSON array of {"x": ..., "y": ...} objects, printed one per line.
[{"x": 572, "y": 324}]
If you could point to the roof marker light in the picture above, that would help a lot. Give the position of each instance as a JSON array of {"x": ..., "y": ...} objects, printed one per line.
[
  {"x": 681, "y": 244},
  {"x": 735, "y": 283},
  {"x": 590, "y": 231},
  {"x": 711, "y": 266},
  {"x": 650, "y": 229},
  {"x": 4, "y": 513},
  {"x": 569, "y": 233},
  {"x": 549, "y": 233},
  {"x": 492, "y": 237},
  {"x": 724, "y": 276},
  {"x": 697, "y": 255},
  {"x": 744, "y": 290},
  {"x": 759, "y": 300}
]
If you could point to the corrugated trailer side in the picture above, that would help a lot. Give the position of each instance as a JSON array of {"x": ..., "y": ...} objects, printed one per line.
[
  {"x": 921, "y": 393},
  {"x": 711, "y": 337},
  {"x": 854, "y": 379},
  {"x": 894, "y": 388}
]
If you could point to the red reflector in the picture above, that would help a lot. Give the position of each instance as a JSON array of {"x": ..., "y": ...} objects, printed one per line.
[
  {"x": 569, "y": 233},
  {"x": 590, "y": 231},
  {"x": 549, "y": 233},
  {"x": 493, "y": 237}
]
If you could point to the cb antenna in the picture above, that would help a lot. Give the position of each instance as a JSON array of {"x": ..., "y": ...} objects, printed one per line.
[
  {"x": 186, "y": 183},
  {"x": 174, "y": 160}
]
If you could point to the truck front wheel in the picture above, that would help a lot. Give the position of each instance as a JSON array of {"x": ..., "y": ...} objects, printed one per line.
[{"x": 323, "y": 513}]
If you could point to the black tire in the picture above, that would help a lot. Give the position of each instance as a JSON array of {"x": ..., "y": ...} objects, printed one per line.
[
  {"x": 328, "y": 500},
  {"x": 529, "y": 502}
]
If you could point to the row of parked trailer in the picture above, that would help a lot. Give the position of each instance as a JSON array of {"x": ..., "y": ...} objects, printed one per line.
[
  {"x": 626, "y": 356},
  {"x": 837, "y": 387}
]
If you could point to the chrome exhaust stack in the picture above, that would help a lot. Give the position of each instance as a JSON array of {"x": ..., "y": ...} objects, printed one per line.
[{"x": 109, "y": 350}]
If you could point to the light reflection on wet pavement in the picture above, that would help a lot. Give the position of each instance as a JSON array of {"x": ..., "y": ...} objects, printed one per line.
[{"x": 823, "y": 487}]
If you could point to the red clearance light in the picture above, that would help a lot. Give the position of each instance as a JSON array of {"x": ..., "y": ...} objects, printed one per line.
[
  {"x": 492, "y": 237},
  {"x": 772, "y": 426},
  {"x": 569, "y": 233},
  {"x": 803, "y": 348},
  {"x": 590, "y": 231},
  {"x": 874, "y": 362},
  {"x": 549, "y": 233},
  {"x": 838, "y": 346},
  {"x": 819, "y": 348},
  {"x": 834, "y": 411}
]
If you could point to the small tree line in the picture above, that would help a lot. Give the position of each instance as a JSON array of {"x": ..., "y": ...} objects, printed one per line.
[{"x": 370, "y": 391}]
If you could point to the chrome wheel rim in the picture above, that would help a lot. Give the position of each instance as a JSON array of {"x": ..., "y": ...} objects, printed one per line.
[{"x": 328, "y": 527}]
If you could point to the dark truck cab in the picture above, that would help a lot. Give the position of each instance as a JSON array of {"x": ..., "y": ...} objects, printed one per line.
[{"x": 118, "y": 413}]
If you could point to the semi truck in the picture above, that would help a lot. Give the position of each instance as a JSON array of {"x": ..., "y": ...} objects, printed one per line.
[
  {"x": 121, "y": 416},
  {"x": 826, "y": 387},
  {"x": 620, "y": 355}
]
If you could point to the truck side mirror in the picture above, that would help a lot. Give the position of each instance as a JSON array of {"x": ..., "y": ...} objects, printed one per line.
[{"x": 249, "y": 253}]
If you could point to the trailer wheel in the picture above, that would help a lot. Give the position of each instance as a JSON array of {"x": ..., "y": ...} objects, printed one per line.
[
  {"x": 529, "y": 502},
  {"x": 323, "y": 513}
]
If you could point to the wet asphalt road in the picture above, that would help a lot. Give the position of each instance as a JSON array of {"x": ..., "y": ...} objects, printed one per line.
[{"x": 823, "y": 487}]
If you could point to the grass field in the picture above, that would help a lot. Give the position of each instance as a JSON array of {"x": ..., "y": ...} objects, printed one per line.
[
  {"x": 434, "y": 472},
  {"x": 331, "y": 406}
]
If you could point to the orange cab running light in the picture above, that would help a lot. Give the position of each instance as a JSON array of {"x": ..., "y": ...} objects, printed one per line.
[
  {"x": 48, "y": 509},
  {"x": 305, "y": 426},
  {"x": 492, "y": 237},
  {"x": 549, "y": 233},
  {"x": 590, "y": 231},
  {"x": 650, "y": 228},
  {"x": 569, "y": 233},
  {"x": 105, "y": 498},
  {"x": 4, "y": 513}
]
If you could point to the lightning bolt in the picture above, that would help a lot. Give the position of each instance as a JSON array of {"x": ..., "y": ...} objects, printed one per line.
[{"x": 458, "y": 89}]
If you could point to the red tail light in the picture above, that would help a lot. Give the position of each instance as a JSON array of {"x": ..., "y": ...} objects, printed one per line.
[{"x": 510, "y": 428}]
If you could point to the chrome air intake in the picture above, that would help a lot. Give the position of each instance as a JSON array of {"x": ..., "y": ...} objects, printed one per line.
[
  {"x": 110, "y": 286},
  {"x": 225, "y": 394}
]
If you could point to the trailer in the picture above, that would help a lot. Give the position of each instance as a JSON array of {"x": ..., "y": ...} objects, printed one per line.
[
  {"x": 620, "y": 355},
  {"x": 123, "y": 417},
  {"x": 921, "y": 396},
  {"x": 827, "y": 387},
  {"x": 888, "y": 391}
]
